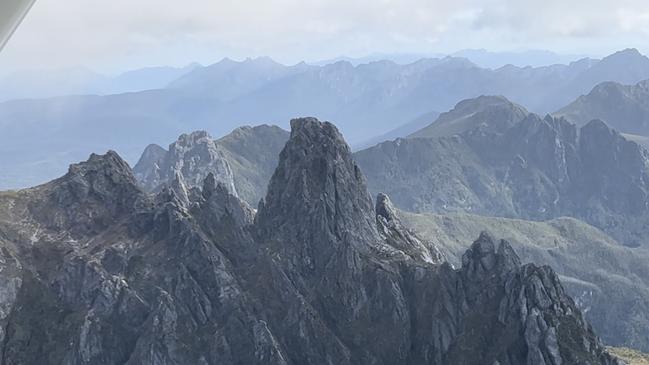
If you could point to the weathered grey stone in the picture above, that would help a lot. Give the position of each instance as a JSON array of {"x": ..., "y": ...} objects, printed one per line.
[
  {"x": 318, "y": 277},
  {"x": 190, "y": 159},
  {"x": 243, "y": 161}
]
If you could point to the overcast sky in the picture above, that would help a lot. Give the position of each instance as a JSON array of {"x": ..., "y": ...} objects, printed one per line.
[{"x": 111, "y": 35}]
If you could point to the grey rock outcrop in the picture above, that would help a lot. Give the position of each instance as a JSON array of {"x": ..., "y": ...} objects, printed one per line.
[
  {"x": 192, "y": 157},
  {"x": 418, "y": 295},
  {"x": 609, "y": 282},
  {"x": 243, "y": 161},
  {"x": 188, "y": 277},
  {"x": 397, "y": 235}
]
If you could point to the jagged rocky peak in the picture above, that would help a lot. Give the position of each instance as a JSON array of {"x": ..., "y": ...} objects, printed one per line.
[
  {"x": 485, "y": 256},
  {"x": 318, "y": 278},
  {"x": 211, "y": 186},
  {"x": 147, "y": 169},
  {"x": 317, "y": 187},
  {"x": 105, "y": 178},
  {"x": 213, "y": 199},
  {"x": 400, "y": 237},
  {"x": 177, "y": 191},
  {"x": 542, "y": 139},
  {"x": 109, "y": 166},
  {"x": 536, "y": 126},
  {"x": 195, "y": 155},
  {"x": 244, "y": 160},
  {"x": 188, "y": 140},
  {"x": 364, "y": 274},
  {"x": 221, "y": 202},
  {"x": 385, "y": 209},
  {"x": 90, "y": 195},
  {"x": 192, "y": 157},
  {"x": 552, "y": 330}
]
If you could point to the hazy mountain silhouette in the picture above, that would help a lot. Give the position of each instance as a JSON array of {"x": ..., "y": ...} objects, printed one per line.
[
  {"x": 623, "y": 107},
  {"x": 367, "y": 100},
  {"x": 34, "y": 84},
  {"x": 531, "y": 168}
]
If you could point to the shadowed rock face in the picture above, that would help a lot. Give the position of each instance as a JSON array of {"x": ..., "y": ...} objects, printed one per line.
[
  {"x": 187, "y": 276},
  {"x": 393, "y": 231}
]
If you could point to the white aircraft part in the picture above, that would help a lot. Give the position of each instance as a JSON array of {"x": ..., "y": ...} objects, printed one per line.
[{"x": 12, "y": 12}]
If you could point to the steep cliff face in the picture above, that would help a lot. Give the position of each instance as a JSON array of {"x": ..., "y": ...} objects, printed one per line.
[
  {"x": 192, "y": 157},
  {"x": 538, "y": 168},
  {"x": 243, "y": 160},
  {"x": 318, "y": 276},
  {"x": 155, "y": 285},
  {"x": 406, "y": 293}
]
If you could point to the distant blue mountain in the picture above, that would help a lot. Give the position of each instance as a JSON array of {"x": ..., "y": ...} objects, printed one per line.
[
  {"x": 533, "y": 58},
  {"x": 480, "y": 57},
  {"x": 34, "y": 84},
  {"x": 366, "y": 101}
]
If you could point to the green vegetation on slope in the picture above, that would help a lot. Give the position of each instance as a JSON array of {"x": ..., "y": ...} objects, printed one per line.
[
  {"x": 631, "y": 357},
  {"x": 609, "y": 282}
]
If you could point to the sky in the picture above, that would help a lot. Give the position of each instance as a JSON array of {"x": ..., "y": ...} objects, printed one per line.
[{"x": 115, "y": 35}]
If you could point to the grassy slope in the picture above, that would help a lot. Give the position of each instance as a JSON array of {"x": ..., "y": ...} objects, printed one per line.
[
  {"x": 630, "y": 356},
  {"x": 609, "y": 282}
]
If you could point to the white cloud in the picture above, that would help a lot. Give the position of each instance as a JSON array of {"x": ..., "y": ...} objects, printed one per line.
[{"x": 125, "y": 33}]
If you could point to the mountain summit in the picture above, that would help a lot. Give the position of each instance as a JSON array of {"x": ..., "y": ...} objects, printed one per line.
[
  {"x": 623, "y": 107},
  {"x": 535, "y": 168},
  {"x": 319, "y": 276},
  {"x": 493, "y": 113},
  {"x": 243, "y": 160}
]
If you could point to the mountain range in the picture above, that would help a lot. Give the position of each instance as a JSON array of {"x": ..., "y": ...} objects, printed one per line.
[
  {"x": 491, "y": 157},
  {"x": 534, "y": 58},
  {"x": 35, "y": 84},
  {"x": 366, "y": 100},
  {"x": 95, "y": 271},
  {"x": 531, "y": 168},
  {"x": 45, "y": 83}
]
